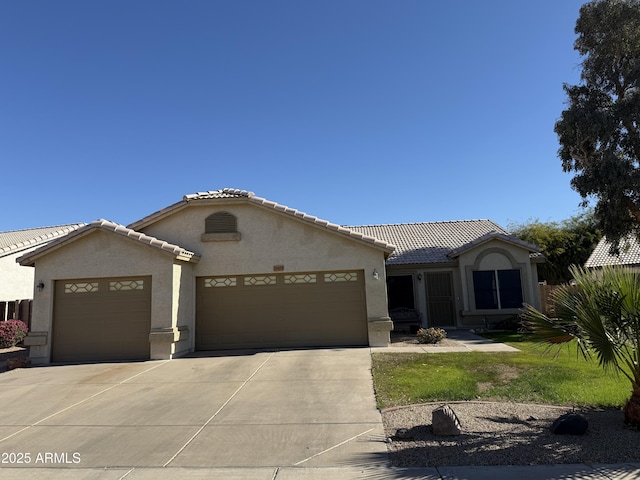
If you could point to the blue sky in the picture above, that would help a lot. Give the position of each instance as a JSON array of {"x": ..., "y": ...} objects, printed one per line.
[{"x": 356, "y": 111}]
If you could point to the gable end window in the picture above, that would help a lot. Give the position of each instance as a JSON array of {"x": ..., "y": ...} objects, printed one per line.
[
  {"x": 497, "y": 289},
  {"x": 220, "y": 227}
]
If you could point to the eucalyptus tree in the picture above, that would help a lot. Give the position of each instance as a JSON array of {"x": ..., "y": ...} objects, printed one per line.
[{"x": 599, "y": 132}]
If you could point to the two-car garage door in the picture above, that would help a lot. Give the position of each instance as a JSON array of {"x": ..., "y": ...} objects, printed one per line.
[
  {"x": 105, "y": 319},
  {"x": 101, "y": 319},
  {"x": 281, "y": 310}
]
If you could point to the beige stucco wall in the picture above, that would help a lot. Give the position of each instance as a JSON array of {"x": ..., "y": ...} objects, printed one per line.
[
  {"x": 271, "y": 239},
  {"x": 106, "y": 254},
  {"x": 16, "y": 281},
  {"x": 496, "y": 255}
]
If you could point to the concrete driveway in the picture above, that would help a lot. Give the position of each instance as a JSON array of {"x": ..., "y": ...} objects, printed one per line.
[{"x": 252, "y": 412}]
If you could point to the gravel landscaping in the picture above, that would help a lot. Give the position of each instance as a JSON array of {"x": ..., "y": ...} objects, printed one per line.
[{"x": 506, "y": 434}]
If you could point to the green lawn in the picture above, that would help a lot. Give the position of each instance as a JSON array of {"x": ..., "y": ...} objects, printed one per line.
[{"x": 528, "y": 376}]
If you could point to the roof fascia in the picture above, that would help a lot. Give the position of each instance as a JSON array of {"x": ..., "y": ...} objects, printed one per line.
[{"x": 423, "y": 266}]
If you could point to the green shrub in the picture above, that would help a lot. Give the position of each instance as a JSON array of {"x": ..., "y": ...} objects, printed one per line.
[
  {"x": 431, "y": 335},
  {"x": 12, "y": 332}
]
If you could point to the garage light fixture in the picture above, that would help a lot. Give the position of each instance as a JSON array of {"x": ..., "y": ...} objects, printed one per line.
[
  {"x": 40, "y": 286},
  {"x": 375, "y": 274}
]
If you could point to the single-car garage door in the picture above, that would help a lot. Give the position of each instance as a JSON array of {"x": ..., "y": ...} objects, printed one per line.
[
  {"x": 101, "y": 319},
  {"x": 281, "y": 310}
]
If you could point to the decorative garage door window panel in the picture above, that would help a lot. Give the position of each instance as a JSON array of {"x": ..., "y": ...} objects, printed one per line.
[
  {"x": 303, "y": 278},
  {"x": 220, "y": 282},
  {"x": 341, "y": 277},
  {"x": 114, "y": 286},
  {"x": 81, "y": 287},
  {"x": 260, "y": 280},
  {"x": 126, "y": 285},
  {"x": 286, "y": 279}
]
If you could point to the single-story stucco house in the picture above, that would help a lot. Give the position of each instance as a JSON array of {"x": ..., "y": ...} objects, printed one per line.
[
  {"x": 226, "y": 269},
  {"x": 16, "y": 281},
  {"x": 629, "y": 255},
  {"x": 222, "y": 269}
]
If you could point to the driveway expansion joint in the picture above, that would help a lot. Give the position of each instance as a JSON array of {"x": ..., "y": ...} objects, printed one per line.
[{"x": 233, "y": 395}]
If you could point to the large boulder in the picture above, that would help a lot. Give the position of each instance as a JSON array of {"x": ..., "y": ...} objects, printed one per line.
[
  {"x": 444, "y": 421},
  {"x": 570, "y": 424}
]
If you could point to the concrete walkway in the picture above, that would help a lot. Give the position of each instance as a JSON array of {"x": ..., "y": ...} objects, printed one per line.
[{"x": 457, "y": 341}]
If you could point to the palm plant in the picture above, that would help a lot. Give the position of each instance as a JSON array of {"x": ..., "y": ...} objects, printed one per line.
[{"x": 601, "y": 312}]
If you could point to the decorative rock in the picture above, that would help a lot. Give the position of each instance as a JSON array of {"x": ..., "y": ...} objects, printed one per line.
[
  {"x": 403, "y": 434},
  {"x": 444, "y": 421},
  {"x": 570, "y": 424},
  {"x": 17, "y": 362}
]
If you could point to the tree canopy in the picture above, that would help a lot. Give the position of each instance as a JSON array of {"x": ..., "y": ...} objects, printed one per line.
[
  {"x": 599, "y": 132},
  {"x": 564, "y": 244}
]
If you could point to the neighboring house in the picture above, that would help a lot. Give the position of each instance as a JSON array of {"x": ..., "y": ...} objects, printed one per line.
[
  {"x": 459, "y": 273},
  {"x": 629, "y": 254},
  {"x": 217, "y": 270},
  {"x": 17, "y": 282}
]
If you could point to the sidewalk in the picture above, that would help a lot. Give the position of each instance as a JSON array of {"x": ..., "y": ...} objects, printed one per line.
[{"x": 535, "y": 472}]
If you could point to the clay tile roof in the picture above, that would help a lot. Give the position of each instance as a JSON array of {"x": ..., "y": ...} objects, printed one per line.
[
  {"x": 17, "y": 240},
  {"x": 435, "y": 242},
  {"x": 177, "y": 251},
  {"x": 629, "y": 253}
]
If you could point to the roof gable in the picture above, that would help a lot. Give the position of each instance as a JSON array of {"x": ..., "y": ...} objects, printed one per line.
[
  {"x": 110, "y": 227},
  {"x": 18, "y": 240},
  {"x": 437, "y": 242},
  {"x": 510, "y": 239},
  {"x": 231, "y": 195}
]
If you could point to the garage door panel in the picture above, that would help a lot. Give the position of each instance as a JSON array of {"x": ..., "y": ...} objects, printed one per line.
[
  {"x": 101, "y": 319},
  {"x": 299, "y": 309}
]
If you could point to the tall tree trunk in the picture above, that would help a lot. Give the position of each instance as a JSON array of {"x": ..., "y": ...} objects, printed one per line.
[{"x": 632, "y": 409}]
